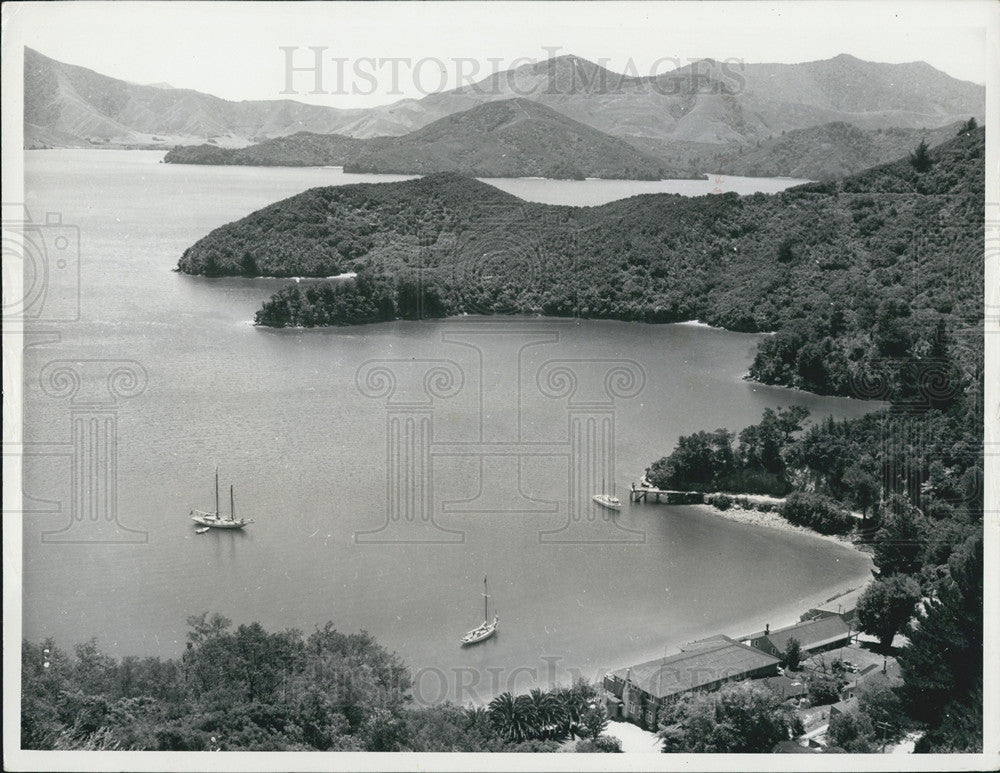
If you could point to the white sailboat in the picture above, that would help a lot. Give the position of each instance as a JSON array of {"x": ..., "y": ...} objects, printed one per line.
[
  {"x": 487, "y": 629},
  {"x": 609, "y": 501},
  {"x": 215, "y": 520}
]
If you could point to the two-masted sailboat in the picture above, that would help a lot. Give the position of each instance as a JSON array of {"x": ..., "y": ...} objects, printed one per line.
[
  {"x": 487, "y": 629},
  {"x": 216, "y": 520}
]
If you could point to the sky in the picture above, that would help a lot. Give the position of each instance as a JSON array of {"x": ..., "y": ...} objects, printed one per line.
[{"x": 388, "y": 51}]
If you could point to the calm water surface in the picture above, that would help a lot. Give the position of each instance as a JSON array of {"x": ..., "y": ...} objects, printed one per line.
[{"x": 298, "y": 422}]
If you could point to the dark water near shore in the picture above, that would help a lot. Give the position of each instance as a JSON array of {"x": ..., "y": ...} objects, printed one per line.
[{"x": 298, "y": 422}]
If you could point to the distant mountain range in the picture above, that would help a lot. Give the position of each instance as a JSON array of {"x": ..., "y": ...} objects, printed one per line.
[
  {"x": 508, "y": 138},
  {"x": 706, "y": 101},
  {"x": 698, "y": 116},
  {"x": 714, "y": 102}
]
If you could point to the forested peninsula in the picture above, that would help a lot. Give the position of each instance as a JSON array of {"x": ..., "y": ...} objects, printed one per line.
[{"x": 860, "y": 279}]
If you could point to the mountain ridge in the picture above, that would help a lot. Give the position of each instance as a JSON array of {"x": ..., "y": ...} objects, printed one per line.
[{"x": 706, "y": 101}]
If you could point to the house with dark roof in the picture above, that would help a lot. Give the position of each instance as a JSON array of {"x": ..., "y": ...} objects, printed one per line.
[
  {"x": 813, "y": 636},
  {"x": 786, "y": 687},
  {"x": 637, "y": 693}
]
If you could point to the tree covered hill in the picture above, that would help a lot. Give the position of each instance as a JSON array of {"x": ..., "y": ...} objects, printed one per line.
[
  {"x": 508, "y": 138},
  {"x": 301, "y": 149},
  {"x": 862, "y": 269}
]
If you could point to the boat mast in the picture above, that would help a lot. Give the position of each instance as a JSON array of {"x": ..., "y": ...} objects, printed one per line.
[
  {"x": 216, "y": 492},
  {"x": 232, "y": 504},
  {"x": 486, "y": 601}
]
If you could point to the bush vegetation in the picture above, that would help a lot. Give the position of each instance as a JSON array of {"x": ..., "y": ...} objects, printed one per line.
[{"x": 251, "y": 690}]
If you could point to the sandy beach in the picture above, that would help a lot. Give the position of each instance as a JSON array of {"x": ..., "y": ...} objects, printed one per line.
[
  {"x": 791, "y": 610},
  {"x": 772, "y": 520},
  {"x": 784, "y": 610}
]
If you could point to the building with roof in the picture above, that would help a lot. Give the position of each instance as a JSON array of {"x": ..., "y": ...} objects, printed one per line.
[
  {"x": 787, "y": 687},
  {"x": 637, "y": 693},
  {"x": 813, "y": 636}
]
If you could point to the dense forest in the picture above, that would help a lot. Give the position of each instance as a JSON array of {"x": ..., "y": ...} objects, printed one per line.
[
  {"x": 872, "y": 284},
  {"x": 247, "y": 689},
  {"x": 913, "y": 470}
]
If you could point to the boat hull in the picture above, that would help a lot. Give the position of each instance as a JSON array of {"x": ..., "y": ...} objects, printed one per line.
[
  {"x": 611, "y": 503},
  {"x": 482, "y": 633},
  {"x": 213, "y": 522}
]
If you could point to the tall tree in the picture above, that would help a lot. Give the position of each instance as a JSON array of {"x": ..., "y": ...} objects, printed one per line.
[
  {"x": 943, "y": 664},
  {"x": 921, "y": 158},
  {"x": 886, "y": 607},
  {"x": 792, "y": 655},
  {"x": 900, "y": 538}
]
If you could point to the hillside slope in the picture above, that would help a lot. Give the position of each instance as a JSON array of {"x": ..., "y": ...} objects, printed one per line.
[
  {"x": 509, "y": 138},
  {"x": 821, "y": 152},
  {"x": 70, "y": 105}
]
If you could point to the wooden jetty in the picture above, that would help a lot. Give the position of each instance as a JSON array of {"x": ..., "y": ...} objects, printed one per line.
[{"x": 661, "y": 496}]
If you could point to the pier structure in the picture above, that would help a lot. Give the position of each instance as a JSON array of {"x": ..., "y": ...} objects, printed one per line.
[{"x": 644, "y": 493}]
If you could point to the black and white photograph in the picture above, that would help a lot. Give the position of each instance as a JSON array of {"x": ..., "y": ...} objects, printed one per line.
[{"x": 501, "y": 385}]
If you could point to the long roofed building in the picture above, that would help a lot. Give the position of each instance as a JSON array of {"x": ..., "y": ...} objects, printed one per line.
[{"x": 638, "y": 692}]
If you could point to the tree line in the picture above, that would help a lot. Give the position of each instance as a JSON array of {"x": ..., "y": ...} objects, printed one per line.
[{"x": 248, "y": 689}]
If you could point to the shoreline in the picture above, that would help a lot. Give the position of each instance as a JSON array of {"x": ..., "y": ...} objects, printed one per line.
[
  {"x": 784, "y": 613},
  {"x": 772, "y": 520}
]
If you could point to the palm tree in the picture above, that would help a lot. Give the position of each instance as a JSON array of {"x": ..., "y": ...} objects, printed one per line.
[
  {"x": 513, "y": 717},
  {"x": 571, "y": 708},
  {"x": 549, "y": 712}
]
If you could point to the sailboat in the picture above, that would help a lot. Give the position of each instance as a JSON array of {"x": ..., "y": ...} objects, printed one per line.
[
  {"x": 215, "y": 520},
  {"x": 607, "y": 500},
  {"x": 487, "y": 629}
]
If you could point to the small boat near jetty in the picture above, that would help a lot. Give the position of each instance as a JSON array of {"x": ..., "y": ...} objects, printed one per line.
[
  {"x": 215, "y": 520},
  {"x": 609, "y": 501},
  {"x": 487, "y": 628}
]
